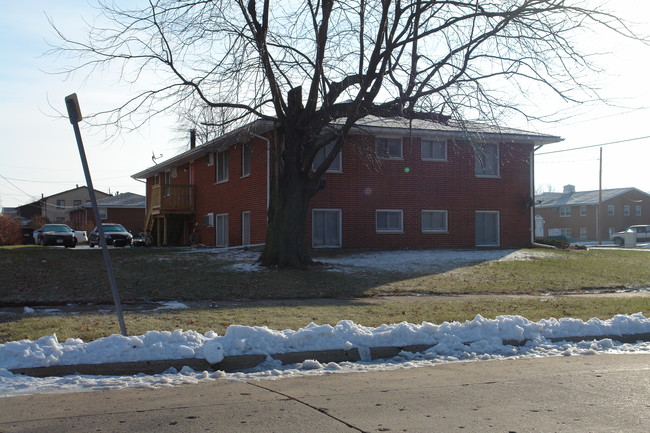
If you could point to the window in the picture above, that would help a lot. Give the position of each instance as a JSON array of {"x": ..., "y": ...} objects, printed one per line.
[
  {"x": 326, "y": 228},
  {"x": 389, "y": 221},
  {"x": 246, "y": 228},
  {"x": 221, "y": 222},
  {"x": 390, "y": 148},
  {"x": 486, "y": 158},
  {"x": 565, "y": 232},
  {"x": 565, "y": 211},
  {"x": 583, "y": 210},
  {"x": 60, "y": 204},
  {"x": 487, "y": 229},
  {"x": 335, "y": 166},
  {"x": 611, "y": 210},
  {"x": 245, "y": 160},
  {"x": 583, "y": 232},
  {"x": 103, "y": 213},
  {"x": 611, "y": 231},
  {"x": 434, "y": 221},
  {"x": 174, "y": 172},
  {"x": 638, "y": 211},
  {"x": 76, "y": 203},
  {"x": 222, "y": 166},
  {"x": 431, "y": 150},
  {"x": 626, "y": 210},
  {"x": 209, "y": 158}
]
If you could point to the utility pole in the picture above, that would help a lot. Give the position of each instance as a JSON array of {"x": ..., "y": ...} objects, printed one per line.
[{"x": 600, "y": 199}]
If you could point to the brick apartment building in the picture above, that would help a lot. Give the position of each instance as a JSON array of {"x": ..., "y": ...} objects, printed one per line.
[
  {"x": 577, "y": 214},
  {"x": 397, "y": 183}
]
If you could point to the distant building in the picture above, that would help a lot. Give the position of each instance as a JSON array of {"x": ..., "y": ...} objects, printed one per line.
[
  {"x": 54, "y": 208},
  {"x": 576, "y": 214},
  {"x": 127, "y": 209}
]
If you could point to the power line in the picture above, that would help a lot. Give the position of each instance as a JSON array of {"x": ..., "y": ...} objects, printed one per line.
[{"x": 594, "y": 145}]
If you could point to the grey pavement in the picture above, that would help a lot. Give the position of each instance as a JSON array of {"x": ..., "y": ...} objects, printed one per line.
[{"x": 599, "y": 393}]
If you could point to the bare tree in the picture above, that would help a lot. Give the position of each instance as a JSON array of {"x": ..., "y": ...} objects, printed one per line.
[{"x": 304, "y": 63}]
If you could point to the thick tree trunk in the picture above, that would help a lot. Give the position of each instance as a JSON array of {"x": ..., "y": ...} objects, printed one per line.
[{"x": 285, "y": 236}]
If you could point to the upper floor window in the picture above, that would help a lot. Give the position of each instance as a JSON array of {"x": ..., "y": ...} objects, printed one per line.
[
  {"x": 486, "y": 156},
  {"x": 245, "y": 160},
  {"x": 433, "y": 150},
  {"x": 565, "y": 211},
  {"x": 626, "y": 210},
  {"x": 611, "y": 210},
  {"x": 60, "y": 204},
  {"x": 390, "y": 148},
  {"x": 583, "y": 210},
  {"x": 335, "y": 167},
  {"x": 222, "y": 166},
  {"x": 638, "y": 210}
]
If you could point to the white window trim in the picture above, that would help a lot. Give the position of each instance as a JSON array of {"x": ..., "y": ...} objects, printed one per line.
[
  {"x": 583, "y": 210},
  {"x": 217, "y": 226},
  {"x": 446, "y": 213},
  {"x": 626, "y": 210},
  {"x": 389, "y": 137},
  {"x": 216, "y": 167},
  {"x": 446, "y": 159},
  {"x": 612, "y": 208},
  {"x": 498, "y": 167},
  {"x": 498, "y": 214},
  {"x": 243, "y": 228},
  {"x": 339, "y": 156},
  {"x": 340, "y": 223},
  {"x": 400, "y": 230},
  {"x": 565, "y": 211},
  {"x": 243, "y": 147}
]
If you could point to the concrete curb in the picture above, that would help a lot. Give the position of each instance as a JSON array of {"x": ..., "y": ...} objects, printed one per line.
[{"x": 243, "y": 362}]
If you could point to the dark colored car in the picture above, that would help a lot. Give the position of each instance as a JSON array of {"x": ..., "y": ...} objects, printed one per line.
[
  {"x": 56, "y": 234},
  {"x": 115, "y": 234}
]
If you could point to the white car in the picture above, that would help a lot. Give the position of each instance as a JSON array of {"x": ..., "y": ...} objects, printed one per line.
[
  {"x": 642, "y": 234},
  {"x": 81, "y": 236}
]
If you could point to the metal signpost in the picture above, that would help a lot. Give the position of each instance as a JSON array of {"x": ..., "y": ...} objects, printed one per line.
[{"x": 74, "y": 113}]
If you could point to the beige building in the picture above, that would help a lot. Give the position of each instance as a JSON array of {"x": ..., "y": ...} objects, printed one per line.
[{"x": 55, "y": 207}]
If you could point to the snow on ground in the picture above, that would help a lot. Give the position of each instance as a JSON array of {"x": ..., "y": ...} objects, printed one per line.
[{"x": 475, "y": 340}]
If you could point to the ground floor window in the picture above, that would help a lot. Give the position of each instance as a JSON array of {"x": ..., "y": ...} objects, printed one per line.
[
  {"x": 487, "y": 228},
  {"x": 246, "y": 228},
  {"x": 434, "y": 221},
  {"x": 389, "y": 221},
  {"x": 221, "y": 223},
  {"x": 583, "y": 232},
  {"x": 326, "y": 228}
]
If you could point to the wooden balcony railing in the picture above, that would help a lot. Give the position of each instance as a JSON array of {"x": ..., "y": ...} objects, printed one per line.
[{"x": 171, "y": 199}]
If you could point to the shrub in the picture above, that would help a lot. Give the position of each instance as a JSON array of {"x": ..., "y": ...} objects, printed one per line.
[
  {"x": 10, "y": 233},
  {"x": 554, "y": 241}
]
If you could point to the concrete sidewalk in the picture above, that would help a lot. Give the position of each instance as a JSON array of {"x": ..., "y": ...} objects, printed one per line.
[{"x": 600, "y": 393}]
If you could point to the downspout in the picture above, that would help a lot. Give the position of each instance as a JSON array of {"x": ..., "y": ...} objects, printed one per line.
[{"x": 536, "y": 147}]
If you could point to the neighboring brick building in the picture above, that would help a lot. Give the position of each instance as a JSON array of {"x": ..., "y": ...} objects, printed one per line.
[
  {"x": 575, "y": 214},
  {"x": 127, "y": 209},
  {"x": 398, "y": 183}
]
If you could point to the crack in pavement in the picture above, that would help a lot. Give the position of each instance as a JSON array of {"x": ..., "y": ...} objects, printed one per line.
[{"x": 324, "y": 411}]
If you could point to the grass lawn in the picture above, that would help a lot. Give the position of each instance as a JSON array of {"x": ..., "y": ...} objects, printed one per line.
[{"x": 37, "y": 276}]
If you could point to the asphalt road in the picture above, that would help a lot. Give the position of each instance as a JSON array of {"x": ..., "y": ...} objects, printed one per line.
[{"x": 600, "y": 393}]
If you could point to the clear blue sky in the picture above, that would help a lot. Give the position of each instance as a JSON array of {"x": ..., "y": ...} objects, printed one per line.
[{"x": 39, "y": 154}]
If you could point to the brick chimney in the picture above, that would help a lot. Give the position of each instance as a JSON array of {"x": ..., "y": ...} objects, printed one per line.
[
  {"x": 569, "y": 189},
  {"x": 192, "y": 138}
]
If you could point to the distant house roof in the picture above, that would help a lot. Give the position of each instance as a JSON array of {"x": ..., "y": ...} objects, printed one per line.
[
  {"x": 368, "y": 125},
  {"x": 579, "y": 198},
  {"x": 70, "y": 190},
  {"x": 123, "y": 200}
]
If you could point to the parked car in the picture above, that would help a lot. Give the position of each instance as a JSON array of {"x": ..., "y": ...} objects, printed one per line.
[
  {"x": 81, "y": 236},
  {"x": 642, "y": 234},
  {"x": 116, "y": 235},
  {"x": 56, "y": 234}
]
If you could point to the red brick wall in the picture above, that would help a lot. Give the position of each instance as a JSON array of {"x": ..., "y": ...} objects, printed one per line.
[{"x": 413, "y": 185}]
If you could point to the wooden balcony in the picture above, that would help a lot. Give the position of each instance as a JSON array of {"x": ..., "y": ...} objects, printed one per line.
[{"x": 171, "y": 199}]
